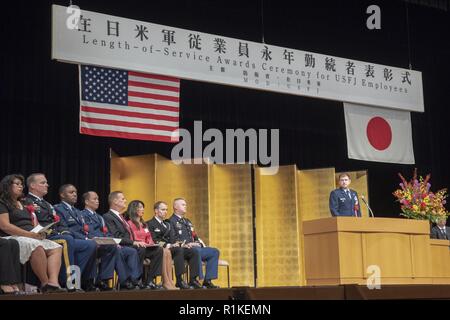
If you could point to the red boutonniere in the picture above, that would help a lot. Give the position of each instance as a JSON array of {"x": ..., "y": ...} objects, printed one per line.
[
  {"x": 105, "y": 230},
  {"x": 56, "y": 218},
  {"x": 30, "y": 209}
]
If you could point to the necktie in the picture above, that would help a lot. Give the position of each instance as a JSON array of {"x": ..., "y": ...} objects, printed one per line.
[
  {"x": 127, "y": 226},
  {"x": 72, "y": 213},
  {"x": 444, "y": 233}
]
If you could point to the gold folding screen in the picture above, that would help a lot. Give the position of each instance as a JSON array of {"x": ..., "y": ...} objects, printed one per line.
[
  {"x": 278, "y": 242},
  {"x": 135, "y": 177},
  {"x": 188, "y": 181},
  {"x": 314, "y": 192},
  {"x": 230, "y": 221}
]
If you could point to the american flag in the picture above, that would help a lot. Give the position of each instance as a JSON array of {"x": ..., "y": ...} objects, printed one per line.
[{"x": 128, "y": 104}]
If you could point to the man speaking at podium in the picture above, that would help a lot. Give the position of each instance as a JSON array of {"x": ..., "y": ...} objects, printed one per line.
[{"x": 344, "y": 201}]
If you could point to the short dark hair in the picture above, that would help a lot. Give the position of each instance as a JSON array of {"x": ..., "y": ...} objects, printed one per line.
[
  {"x": 113, "y": 195},
  {"x": 343, "y": 174},
  {"x": 64, "y": 187},
  {"x": 86, "y": 196},
  {"x": 157, "y": 204}
]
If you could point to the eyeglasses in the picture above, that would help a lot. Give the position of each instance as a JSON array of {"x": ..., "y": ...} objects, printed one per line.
[{"x": 18, "y": 184}]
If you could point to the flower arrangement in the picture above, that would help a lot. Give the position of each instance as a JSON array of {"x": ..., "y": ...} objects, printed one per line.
[{"x": 418, "y": 202}]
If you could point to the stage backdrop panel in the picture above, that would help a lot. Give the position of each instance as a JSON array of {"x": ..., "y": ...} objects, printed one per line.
[
  {"x": 314, "y": 187},
  {"x": 135, "y": 177},
  {"x": 188, "y": 181},
  {"x": 279, "y": 247},
  {"x": 230, "y": 221}
]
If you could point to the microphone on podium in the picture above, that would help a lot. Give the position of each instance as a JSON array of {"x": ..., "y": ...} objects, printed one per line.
[{"x": 368, "y": 207}]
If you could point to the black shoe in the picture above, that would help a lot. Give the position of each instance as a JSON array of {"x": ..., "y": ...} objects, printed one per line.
[
  {"x": 209, "y": 285},
  {"x": 153, "y": 286},
  {"x": 182, "y": 285},
  {"x": 159, "y": 286},
  {"x": 103, "y": 286},
  {"x": 90, "y": 287},
  {"x": 48, "y": 288},
  {"x": 143, "y": 286},
  {"x": 75, "y": 290},
  {"x": 195, "y": 284},
  {"x": 128, "y": 285}
]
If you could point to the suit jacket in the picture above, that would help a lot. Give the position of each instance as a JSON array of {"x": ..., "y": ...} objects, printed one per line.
[
  {"x": 95, "y": 223},
  {"x": 182, "y": 229},
  {"x": 117, "y": 228},
  {"x": 72, "y": 218},
  {"x": 161, "y": 233},
  {"x": 45, "y": 213},
  {"x": 342, "y": 205},
  {"x": 436, "y": 233}
]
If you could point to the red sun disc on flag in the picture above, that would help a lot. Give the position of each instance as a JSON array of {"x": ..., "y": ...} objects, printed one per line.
[{"x": 379, "y": 133}]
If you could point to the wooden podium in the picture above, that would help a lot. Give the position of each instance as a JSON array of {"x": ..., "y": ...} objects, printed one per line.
[
  {"x": 339, "y": 250},
  {"x": 440, "y": 259}
]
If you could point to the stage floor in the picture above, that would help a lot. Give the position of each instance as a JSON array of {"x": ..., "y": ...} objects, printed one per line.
[{"x": 343, "y": 292}]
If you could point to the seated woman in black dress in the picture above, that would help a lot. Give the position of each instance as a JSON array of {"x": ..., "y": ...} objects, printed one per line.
[
  {"x": 16, "y": 223},
  {"x": 9, "y": 266}
]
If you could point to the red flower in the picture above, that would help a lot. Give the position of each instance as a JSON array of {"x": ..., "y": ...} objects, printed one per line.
[
  {"x": 105, "y": 230},
  {"x": 194, "y": 234},
  {"x": 56, "y": 218},
  {"x": 30, "y": 208},
  {"x": 86, "y": 228}
]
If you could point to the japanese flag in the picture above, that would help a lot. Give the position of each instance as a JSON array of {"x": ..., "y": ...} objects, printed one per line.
[{"x": 378, "y": 134}]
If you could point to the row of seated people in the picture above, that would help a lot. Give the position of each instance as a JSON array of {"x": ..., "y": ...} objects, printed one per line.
[{"x": 161, "y": 241}]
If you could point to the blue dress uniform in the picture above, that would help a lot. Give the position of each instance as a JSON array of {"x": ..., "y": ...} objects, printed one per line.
[
  {"x": 344, "y": 203},
  {"x": 80, "y": 252},
  {"x": 183, "y": 230},
  {"x": 127, "y": 263},
  {"x": 107, "y": 254}
]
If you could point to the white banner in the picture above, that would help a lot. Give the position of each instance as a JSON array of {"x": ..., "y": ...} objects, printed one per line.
[{"x": 116, "y": 42}]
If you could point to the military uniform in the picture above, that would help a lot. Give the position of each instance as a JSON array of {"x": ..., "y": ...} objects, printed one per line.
[
  {"x": 127, "y": 261},
  {"x": 161, "y": 234},
  {"x": 73, "y": 218},
  {"x": 80, "y": 252},
  {"x": 344, "y": 203},
  {"x": 182, "y": 231}
]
